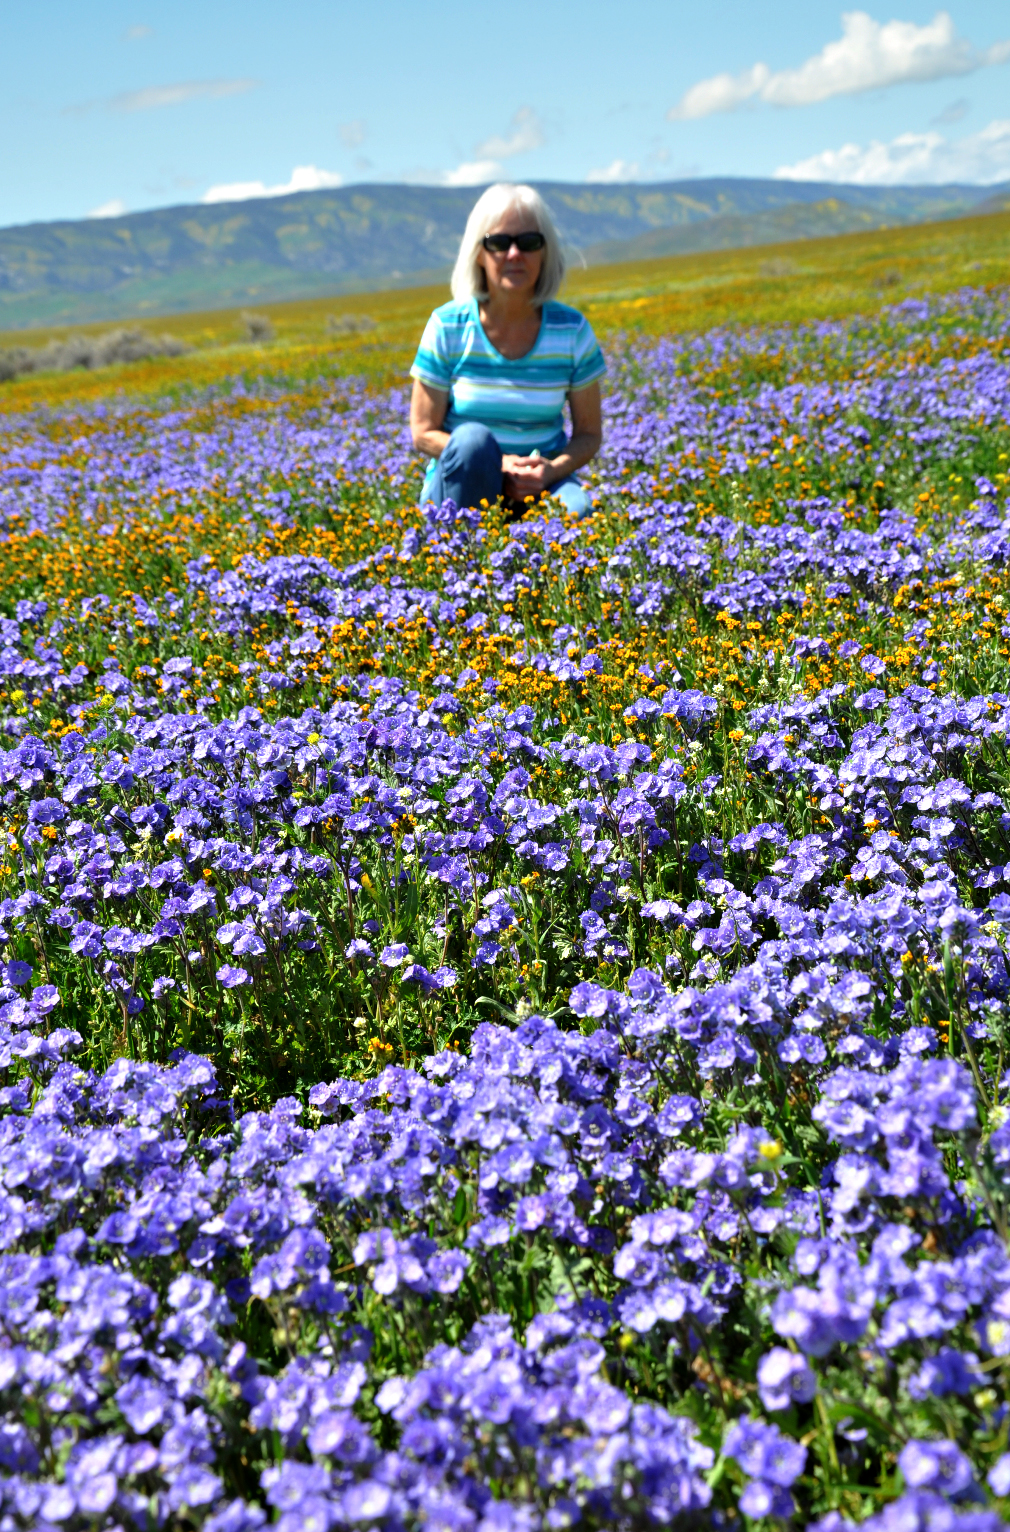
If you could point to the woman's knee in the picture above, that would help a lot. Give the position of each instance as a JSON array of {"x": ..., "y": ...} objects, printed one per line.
[
  {"x": 573, "y": 497},
  {"x": 473, "y": 443}
]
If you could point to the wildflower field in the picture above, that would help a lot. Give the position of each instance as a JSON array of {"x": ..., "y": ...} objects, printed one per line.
[{"x": 506, "y": 1024}]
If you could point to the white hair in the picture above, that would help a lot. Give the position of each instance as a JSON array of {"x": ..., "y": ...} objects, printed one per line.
[{"x": 468, "y": 279}]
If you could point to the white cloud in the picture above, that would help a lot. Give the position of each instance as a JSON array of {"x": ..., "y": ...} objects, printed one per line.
[
  {"x": 472, "y": 173},
  {"x": 303, "y": 178},
  {"x": 867, "y": 56},
  {"x": 721, "y": 93},
  {"x": 486, "y": 166},
  {"x": 114, "y": 209},
  {"x": 527, "y": 133},
  {"x": 136, "y": 34},
  {"x": 913, "y": 159},
  {"x": 617, "y": 170},
  {"x": 154, "y": 97}
]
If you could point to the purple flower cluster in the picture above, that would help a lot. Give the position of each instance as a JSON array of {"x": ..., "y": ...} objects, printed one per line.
[
  {"x": 145, "y": 1230},
  {"x": 739, "y": 1150}
]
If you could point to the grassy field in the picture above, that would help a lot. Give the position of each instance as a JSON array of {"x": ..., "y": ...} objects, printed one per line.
[{"x": 806, "y": 279}]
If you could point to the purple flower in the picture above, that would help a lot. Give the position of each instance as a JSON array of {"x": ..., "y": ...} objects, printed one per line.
[
  {"x": 949, "y": 1372},
  {"x": 784, "y": 1379},
  {"x": 588, "y": 1000},
  {"x": 447, "y": 1270},
  {"x": 90, "y": 1475},
  {"x": 230, "y": 977},
  {"x": 359, "y": 950},
  {"x": 248, "y": 942},
  {"x": 416, "y": 973},
  {"x": 940, "y": 1466},
  {"x": 85, "y": 939},
  {"x": 999, "y": 1476},
  {"x": 143, "y": 1403},
  {"x": 761, "y": 1499},
  {"x": 367, "y": 1501},
  {"x": 764, "y": 1453}
]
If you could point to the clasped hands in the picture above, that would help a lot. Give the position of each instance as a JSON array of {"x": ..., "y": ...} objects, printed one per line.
[{"x": 522, "y": 476}]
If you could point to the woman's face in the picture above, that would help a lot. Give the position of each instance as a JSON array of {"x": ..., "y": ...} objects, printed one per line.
[{"x": 513, "y": 272}]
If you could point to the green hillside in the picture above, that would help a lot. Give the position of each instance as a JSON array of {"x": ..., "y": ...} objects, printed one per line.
[{"x": 737, "y": 231}]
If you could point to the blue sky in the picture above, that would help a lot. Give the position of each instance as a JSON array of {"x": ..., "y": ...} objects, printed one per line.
[{"x": 109, "y": 107}]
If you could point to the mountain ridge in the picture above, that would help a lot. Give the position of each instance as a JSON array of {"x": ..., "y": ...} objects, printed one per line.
[{"x": 368, "y": 236}]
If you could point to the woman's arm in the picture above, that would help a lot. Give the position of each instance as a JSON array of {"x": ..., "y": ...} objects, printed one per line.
[
  {"x": 427, "y": 412},
  {"x": 587, "y": 433},
  {"x": 528, "y": 476}
]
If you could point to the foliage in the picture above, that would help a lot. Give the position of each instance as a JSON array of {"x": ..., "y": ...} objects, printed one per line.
[{"x": 87, "y": 352}]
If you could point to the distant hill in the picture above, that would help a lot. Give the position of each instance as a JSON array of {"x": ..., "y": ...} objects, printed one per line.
[
  {"x": 359, "y": 238},
  {"x": 998, "y": 201},
  {"x": 732, "y": 231}
]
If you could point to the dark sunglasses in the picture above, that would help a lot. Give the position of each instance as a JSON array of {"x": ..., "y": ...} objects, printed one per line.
[{"x": 501, "y": 244}]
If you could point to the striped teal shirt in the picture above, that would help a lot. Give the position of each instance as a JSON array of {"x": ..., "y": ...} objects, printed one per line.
[{"x": 519, "y": 401}]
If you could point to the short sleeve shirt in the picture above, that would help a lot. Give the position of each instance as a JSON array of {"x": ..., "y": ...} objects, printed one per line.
[{"x": 519, "y": 401}]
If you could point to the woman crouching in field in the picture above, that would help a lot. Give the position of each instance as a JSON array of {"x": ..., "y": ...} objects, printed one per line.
[{"x": 496, "y": 365}]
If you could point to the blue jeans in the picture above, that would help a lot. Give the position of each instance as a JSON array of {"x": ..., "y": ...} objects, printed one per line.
[{"x": 470, "y": 471}]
